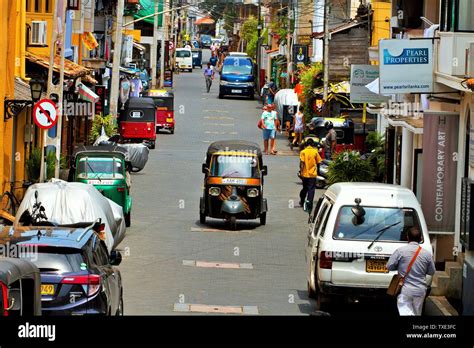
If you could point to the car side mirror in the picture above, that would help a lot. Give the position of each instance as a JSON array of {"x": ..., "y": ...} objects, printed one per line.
[
  {"x": 115, "y": 258},
  {"x": 264, "y": 170},
  {"x": 205, "y": 168}
]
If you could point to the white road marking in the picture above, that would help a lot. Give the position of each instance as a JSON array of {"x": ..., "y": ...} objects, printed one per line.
[
  {"x": 210, "y": 264},
  {"x": 220, "y": 124},
  {"x": 219, "y": 309},
  {"x": 198, "y": 229}
]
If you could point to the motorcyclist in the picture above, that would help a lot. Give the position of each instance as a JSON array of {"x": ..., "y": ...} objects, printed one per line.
[{"x": 331, "y": 141}]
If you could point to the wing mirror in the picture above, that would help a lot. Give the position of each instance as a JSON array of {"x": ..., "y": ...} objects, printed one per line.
[
  {"x": 115, "y": 258},
  {"x": 205, "y": 168},
  {"x": 359, "y": 213},
  {"x": 264, "y": 170}
]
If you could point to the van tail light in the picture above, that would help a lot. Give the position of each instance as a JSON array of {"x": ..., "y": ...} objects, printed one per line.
[
  {"x": 121, "y": 189},
  {"x": 91, "y": 283},
  {"x": 4, "y": 289},
  {"x": 325, "y": 260}
]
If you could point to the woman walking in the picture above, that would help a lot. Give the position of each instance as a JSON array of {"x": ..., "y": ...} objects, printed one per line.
[
  {"x": 269, "y": 124},
  {"x": 299, "y": 126}
]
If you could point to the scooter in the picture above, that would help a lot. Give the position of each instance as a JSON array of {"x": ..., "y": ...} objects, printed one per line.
[{"x": 322, "y": 180}]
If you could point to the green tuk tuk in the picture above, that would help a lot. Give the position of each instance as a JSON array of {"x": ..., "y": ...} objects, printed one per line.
[{"x": 108, "y": 169}]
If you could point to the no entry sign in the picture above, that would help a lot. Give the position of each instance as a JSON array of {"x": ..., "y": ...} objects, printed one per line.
[{"x": 45, "y": 114}]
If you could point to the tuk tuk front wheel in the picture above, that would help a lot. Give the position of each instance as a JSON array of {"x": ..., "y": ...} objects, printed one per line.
[
  {"x": 263, "y": 219},
  {"x": 128, "y": 219}
]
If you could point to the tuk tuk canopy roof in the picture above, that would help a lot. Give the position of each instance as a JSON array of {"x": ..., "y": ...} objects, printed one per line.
[
  {"x": 233, "y": 146},
  {"x": 140, "y": 103},
  {"x": 101, "y": 150},
  {"x": 12, "y": 269}
]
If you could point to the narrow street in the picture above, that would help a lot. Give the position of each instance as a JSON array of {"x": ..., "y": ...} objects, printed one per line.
[
  {"x": 165, "y": 221},
  {"x": 166, "y": 235}
]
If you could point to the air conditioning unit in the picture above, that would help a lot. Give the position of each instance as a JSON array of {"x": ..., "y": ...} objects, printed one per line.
[
  {"x": 470, "y": 60},
  {"x": 38, "y": 33}
]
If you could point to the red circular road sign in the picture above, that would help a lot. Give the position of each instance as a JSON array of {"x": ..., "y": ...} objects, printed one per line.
[
  {"x": 45, "y": 114},
  {"x": 171, "y": 45}
]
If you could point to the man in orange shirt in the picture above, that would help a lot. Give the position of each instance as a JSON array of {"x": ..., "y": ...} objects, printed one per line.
[{"x": 309, "y": 160}]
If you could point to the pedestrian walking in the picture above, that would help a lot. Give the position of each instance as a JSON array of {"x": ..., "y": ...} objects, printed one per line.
[
  {"x": 298, "y": 126},
  {"x": 331, "y": 141},
  {"x": 413, "y": 264},
  {"x": 309, "y": 160},
  {"x": 269, "y": 124},
  {"x": 272, "y": 90},
  {"x": 209, "y": 76}
]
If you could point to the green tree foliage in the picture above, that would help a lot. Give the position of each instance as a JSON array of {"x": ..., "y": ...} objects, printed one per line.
[
  {"x": 249, "y": 33},
  {"x": 97, "y": 125},
  {"x": 348, "y": 166},
  {"x": 33, "y": 165},
  {"x": 375, "y": 145},
  {"x": 308, "y": 78}
]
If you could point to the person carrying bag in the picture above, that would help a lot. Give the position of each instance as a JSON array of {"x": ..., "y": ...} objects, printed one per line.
[
  {"x": 396, "y": 284},
  {"x": 413, "y": 264}
]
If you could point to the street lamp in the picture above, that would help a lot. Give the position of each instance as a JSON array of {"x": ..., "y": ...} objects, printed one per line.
[
  {"x": 14, "y": 107},
  {"x": 36, "y": 88}
]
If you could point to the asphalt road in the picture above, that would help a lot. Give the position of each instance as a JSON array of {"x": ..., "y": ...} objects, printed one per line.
[{"x": 166, "y": 243}]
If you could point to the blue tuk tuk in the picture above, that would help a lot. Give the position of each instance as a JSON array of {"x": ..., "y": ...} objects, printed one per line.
[{"x": 197, "y": 57}]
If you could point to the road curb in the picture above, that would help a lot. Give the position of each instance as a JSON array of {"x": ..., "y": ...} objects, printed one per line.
[{"x": 441, "y": 306}]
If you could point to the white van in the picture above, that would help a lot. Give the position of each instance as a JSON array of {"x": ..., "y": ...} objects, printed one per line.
[
  {"x": 353, "y": 230},
  {"x": 184, "y": 59}
]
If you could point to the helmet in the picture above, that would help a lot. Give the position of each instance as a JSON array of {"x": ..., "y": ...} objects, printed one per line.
[{"x": 328, "y": 125}]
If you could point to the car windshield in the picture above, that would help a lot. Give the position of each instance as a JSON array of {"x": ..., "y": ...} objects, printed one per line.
[
  {"x": 53, "y": 259},
  {"x": 235, "y": 166},
  {"x": 183, "y": 54},
  {"x": 375, "y": 219},
  {"x": 103, "y": 168},
  {"x": 237, "y": 66}
]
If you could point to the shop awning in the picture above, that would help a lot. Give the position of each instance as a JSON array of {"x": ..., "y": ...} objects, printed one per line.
[
  {"x": 71, "y": 69},
  {"x": 345, "y": 26},
  {"x": 205, "y": 20},
  {"x": 147, "y": 7},
  {"x": 341, "y": 87},
  {"x": 413, "y": 124}
]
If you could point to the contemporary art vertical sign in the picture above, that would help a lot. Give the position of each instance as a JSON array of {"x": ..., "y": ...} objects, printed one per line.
[{"x": 440, "y": 151}]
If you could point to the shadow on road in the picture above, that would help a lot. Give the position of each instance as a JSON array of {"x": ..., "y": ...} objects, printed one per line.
[{"x": 242, "y": 225}]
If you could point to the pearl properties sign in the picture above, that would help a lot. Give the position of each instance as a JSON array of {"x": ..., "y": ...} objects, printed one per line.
[{"x": 406, "y": 66}]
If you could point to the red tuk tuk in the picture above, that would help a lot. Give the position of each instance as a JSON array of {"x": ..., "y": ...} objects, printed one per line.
[
  {"x": 137, "y": 121},
  {"x": 164, "y": 102}
]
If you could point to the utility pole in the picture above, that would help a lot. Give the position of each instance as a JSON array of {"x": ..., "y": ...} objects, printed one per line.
[
  {"x": 288, "y": 48},
  {"x": 154, "y": 46},
  {"x": 162, "y": 48},
  {"x": 115, "y": 84},
  {"x": 259, "y": 33},
  {"x": 57, "y": 43},
  {"x": 173, "y": 63},
  {"x": 327, "y": 11}
]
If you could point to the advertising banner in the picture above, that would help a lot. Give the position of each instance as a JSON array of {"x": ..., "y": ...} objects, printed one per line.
[
  {"x": 440, "y": 148},
  {"x": 406, "y": 66},
  {"x": 361, "y": 76}
]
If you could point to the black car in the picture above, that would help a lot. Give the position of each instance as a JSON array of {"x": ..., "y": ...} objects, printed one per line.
[{"x": 77, "y": 273}]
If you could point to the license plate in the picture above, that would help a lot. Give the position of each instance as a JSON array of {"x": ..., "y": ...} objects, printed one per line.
[
  {"x": 236, "y": 91},
  {"x": 169, "y": 120},
  {"x": 100, "y": 182},
  {"x": 234, "y": 181},
  {"x": 47, "y": 289},
  {"x": 376, "y": 266}
]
